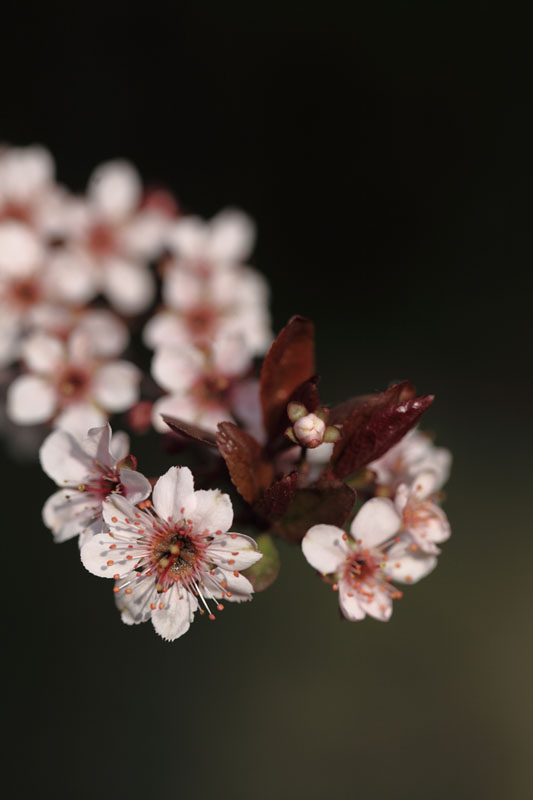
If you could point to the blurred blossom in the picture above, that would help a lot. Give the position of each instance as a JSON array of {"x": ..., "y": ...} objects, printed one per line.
[
  {"x": 201, "y": 385},
  {"x": 226, "y": 241},
  {"x": 413, "y": 454},
  {"x": 69, "y": 382}
]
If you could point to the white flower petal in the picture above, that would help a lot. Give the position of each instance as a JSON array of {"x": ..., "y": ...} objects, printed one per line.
[
  {"x": 165, "y": 329},
  {"x": 174, "y": 496},
  {"x": 136, "y": 487},
  {"x": 231, "y": 354},
  {"x": 129, "y": 287},
  {"x": 232, "y": 236},
  {"x": 376, "y": 522},
  {"x": 115, "y": 190},
  {"x": 64, "y": 460},
  {"x": 175, "y": 405},
  {"x": 101, "y": 556},
  {"x": 379, "y": 607},
  {"x": 176, "y": 370},
  {"x": 42, "y": 353},
  {"x": 116, "y": 385},
  {"x": 125, "y": 519},
  {"x": 78, "y": 419},
  {"x": 349, "y": 602},
  {"x": 21, "y": 252},
  {"x": 325, "y": 548},
  {"x": 213, "y": 511},
  {"x": 107, "y": 334},
  {"x": 225, "y": 585},
  {"x": 136, "y": 607},
  {"x": 120, "y": 445},
  {"x": 233, "y": 551},
  {"x": 30, "y": 400},
  {"x": 175, "y": 618},
  {"x": 70, "y": 513},
  {"x": 407, "y": 567},
  {"x": 71, "y": 277},
  {"x": 187, "y": 237}
]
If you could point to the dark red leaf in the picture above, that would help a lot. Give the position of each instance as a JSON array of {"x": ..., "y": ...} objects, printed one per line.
[
  {"x": 194, "y": 432},
  {"x": 276, "y": 499},
  {"x": 394, "y": 394},
  {"x": 250, "y": 473},
  {"x": 288, "y": 364},
  {"x": 307, "y": 395},
  {"x": 330, "y": 503},
  {"x": 374, "y": 427}
]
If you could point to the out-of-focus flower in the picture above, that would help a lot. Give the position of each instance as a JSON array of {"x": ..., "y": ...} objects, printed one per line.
[
  {"x": 68, "y": 381},
  {"x": 362, "y": 565},
  {"x": 422, "y": 518},
  {"x": 414, "y": 454},
  {"x": 201, "y": 384},
  {"x": 202, "y": 308},
  {"x": 112, "y": 237},
  {"x": 26, "y": 183},
  {"x": 88, "y": 470},
  {"x": 225, "y": 241},
  {"x": 173, "y": 558}
]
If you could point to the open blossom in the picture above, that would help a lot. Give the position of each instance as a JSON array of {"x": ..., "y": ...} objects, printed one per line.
[
  {"x": 423, "y": 520},
  {"x": 201, "y": 308},
  {"x": 26, "y": 184},
  {"x": 224, "y": 241},
  {"x": 201, "y": 384},
  {"x": 88, "y": 470},
  {"x": 68, "y": 381},
  {"x": 174, "y": 558},
  {"x": 413, "y": 454},
  {"x": 110, "y": 240},
  {"x": 363, "y": 565}
]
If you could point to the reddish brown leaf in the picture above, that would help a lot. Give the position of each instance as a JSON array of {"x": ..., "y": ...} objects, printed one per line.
[
  {"x": 275, "y": 500},
  {"x": 250, "y": 473},
  {"x": 394, "y": 394},
  {"x": 307, "y": 394},
  {"x": 374, "y": 427},
  {"x": 194, "y": 432},
  {"x": 288, "y": 364},
  {"x": 330, "y": 503}
]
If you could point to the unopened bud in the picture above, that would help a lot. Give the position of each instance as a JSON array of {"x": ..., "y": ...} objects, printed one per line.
[{"x": 309, "y": 430}]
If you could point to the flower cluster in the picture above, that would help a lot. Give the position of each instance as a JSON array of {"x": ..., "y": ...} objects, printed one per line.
[{"x": 356, "y": 485}]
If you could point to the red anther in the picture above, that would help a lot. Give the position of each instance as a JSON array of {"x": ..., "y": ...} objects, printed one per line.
[
  {"x": 116, "y": 577},
  {"x": 211, "y": 616},
  {"x": 228, "y": 594},
  {"x": 220, "y": 607},
  {"x": 116, "y": 588},
  {"x": 236, "y": 573}
]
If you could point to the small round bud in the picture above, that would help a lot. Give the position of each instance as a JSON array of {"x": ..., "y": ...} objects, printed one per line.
[{"x": 309, "y": 430}]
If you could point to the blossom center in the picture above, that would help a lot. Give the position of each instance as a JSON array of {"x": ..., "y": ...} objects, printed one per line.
[
  {"x": 360, "y": 567},
  {"x": 24, "y": 293},
  {"x": 177, "y": 555},
  {"x": 101, "y": 240},
  {"x": 72, "y": 384}
]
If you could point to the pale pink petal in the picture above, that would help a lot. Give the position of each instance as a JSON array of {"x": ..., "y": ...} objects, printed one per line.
[
  {"x": 78, "y": 419},
  {"x": 231, "y": 355},
  {"x": 101, "y": 556},
  {"x": 42, "y": 353},
  {"x": 120, "y": 445},
  {"x": 107, "y": 334},
  {"x": 376, "y": 522},
  {"x": 232, "y": 236},
  {"x": 71, "y": 277},
  {"x": 183, "y": 289},
  {"x": 136, "y": 486},
  {"x": 115, "y": 190},
  {"x": 125, "y": 519},
  {"x": 136, "y": 607},
  {"x": 213, "y": 511},
  {"x": 177, "y": 369},
  {"x": 30, "y": 400},
  {"x": 407, "y": 567},
  {"x": 174, "y": 497},
  {"x": 379, "y": 606},
  {"x": 21, "y": 252},
  {"x": 26, "y": 172},
  {"x": 187, "y": 237},
  {"x": 69, "y": 513},
  {"x": 116, "y": 385},
  {"x": 237, "y": 586},
  {"x": 349, "y": 602},
  {"x": 144, "y": 236},
  {"x": 129, "y": 287},
  {"x": 96, "y": 444},
  {"x": 234, "y": 551},
  {"x": 175, "y": 405},
  {"x": 64, "y": 460},
  {"x": 424, "y": 484},
  {"x": 325, "y": 548},
  {"x": 175, "y": 618},
  {"x": 165, "y": 329}
]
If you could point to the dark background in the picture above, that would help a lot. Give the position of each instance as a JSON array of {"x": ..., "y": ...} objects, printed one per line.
[{"x": 384, "y": 150}]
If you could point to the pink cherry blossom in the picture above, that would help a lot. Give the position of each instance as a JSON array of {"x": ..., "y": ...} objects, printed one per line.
[
  {"x": 201, "y": 384},
  {"x": 363, "y": 564},
  {"x": 415, "y": 453},
  {"x": 174, "y": 558},
  {"x": 70, "y": 382},
  {"x": 423, "y": 520},
  {"x": 88, "y": 470},
  {"x": 225, "y": 241}
]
